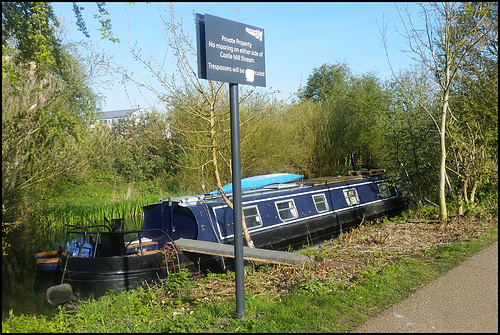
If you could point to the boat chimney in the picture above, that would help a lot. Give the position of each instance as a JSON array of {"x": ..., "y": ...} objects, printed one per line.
[
  {"x": 117, "y": 224},
  {"x": 353, "y": 161},
  {"x": 202, "y": 179},
  {"x": 203, "y": 183}
]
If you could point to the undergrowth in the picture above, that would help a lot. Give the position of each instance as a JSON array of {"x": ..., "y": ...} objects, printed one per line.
[{"x": 353, "y": 278}]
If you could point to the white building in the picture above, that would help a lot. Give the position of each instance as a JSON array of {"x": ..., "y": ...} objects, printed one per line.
[{"x": 107, "y": 119}]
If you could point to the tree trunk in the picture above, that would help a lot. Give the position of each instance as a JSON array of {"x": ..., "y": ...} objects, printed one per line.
[
  {"x": 465, "y": 187},
  {"x": 460, "y": 205},
  {"x": 248, "y": 239},
  {"x": 473, "y": 193},
  {"x": 219, "y": 184},
  {"x": 443, "y": 214}
]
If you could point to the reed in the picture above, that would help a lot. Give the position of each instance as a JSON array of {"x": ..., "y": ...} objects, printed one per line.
[
  {"x": 78, "y": 214},
  {"x": 90, "y": 203},
  {"x": 95, "y": 202}
]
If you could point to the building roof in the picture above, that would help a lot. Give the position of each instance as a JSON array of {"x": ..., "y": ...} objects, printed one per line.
[{"x": 119, "y": 113}]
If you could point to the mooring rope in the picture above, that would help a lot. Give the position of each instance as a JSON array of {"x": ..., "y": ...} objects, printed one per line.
[{"x": 65, "y": 267}]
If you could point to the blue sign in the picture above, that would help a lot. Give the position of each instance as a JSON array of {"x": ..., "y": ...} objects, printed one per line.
[{"x": 230, "y": 51}]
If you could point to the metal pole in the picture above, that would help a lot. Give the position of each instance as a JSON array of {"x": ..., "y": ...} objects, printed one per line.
[{"x": 238, "y": 229}]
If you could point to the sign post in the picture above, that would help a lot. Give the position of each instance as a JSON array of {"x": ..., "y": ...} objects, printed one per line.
[
  {"x": 232, "y": 52},
  {"x": 237, "y": 206}
]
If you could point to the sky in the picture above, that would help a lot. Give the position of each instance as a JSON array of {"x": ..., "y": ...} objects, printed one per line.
[{"x": 299, "y": 37}]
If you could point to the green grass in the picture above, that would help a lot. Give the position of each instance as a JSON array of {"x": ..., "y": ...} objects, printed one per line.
[{"x": 315, "y": 307}]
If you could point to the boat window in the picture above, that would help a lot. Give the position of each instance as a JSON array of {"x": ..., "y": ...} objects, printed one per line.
[
  {"x": 320, "y": 202},
  {"x": 252, "y": 217},
  {"x": 351, "y": 196},
  {"x": 286, "y": 210},
  {"x": 385, "y": 191}
]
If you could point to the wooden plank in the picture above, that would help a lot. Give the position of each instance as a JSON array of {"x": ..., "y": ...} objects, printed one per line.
[
  {"x": 251, "y": 254},
  {"x": 329, "y": 180},
  {"x": 137, "y": 245},
  {"x": 46, "y": 253},
  {"x": 47, "y": 260}
]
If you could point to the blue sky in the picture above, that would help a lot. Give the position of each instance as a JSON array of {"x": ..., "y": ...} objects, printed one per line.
[{"x": 299, "y": 37}]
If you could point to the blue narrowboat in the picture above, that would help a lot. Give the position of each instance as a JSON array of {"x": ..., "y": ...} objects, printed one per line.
[{"x": 280, "y": 215}]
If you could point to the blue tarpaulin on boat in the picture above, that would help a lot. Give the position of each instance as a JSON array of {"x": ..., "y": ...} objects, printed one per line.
[
  {"x": 87, "y": 249},
  {"x": 255, "y": 182}
]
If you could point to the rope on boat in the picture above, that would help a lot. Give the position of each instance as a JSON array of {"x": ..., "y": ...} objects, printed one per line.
[
  {"x": 65, "y": 267},
  {"x": 59, "y": 294}
]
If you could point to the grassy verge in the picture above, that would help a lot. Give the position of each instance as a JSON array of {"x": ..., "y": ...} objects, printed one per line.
[{"x": 314, "y": 298}]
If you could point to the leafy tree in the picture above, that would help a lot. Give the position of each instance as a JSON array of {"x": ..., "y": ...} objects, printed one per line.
[
  {"x": 29, "y": 27},
  {"x": 443, "y": 47},
  {"x": 367, "y": 100},
  {"x": 42, "y": 119},
  {"x": 46, "y": 106},
  {"x": 473, "y": 129},
  {"x": 327, "y": 82},
  {"x": 411, "y": 137},
  {"x": 271, "y": 141},
  {"x": 101, "y": 16},
  {"x": 305, "y": 138},
  {"x": 141, "y": 147},
  {"x": 347, "y": 115}
]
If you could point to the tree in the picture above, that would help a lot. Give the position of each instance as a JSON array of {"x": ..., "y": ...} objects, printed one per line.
[
  {"x": 105, "y": 28},
  {"x": 443, "y": 46},
  {"x": 473, "y": 130},
  {"x": 346, "y": 109},
  {"x": 411, "y": 136},
  {"x": 327, "y": 82},
  {"x": 46, "y": 105},
  {"x": 29, "y": 27},
  {"x": 199, "y": 110},
  {"x": 42, "y": 119},
  {"x": 141, "y": 148}
]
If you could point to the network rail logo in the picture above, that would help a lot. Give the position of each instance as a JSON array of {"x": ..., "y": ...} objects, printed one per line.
[{"x": 255, "y": 33}]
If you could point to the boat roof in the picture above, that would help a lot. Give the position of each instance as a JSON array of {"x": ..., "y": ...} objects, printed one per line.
[
  {"x": 256, "y": 182},
  {"x": 270, "y": 183}
]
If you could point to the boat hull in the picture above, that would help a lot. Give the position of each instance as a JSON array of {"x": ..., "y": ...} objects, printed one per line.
[
  {"x": 97, "y": 275},
  {"x": 280, "y": 217},
  {"x": 309, "y": 231}
]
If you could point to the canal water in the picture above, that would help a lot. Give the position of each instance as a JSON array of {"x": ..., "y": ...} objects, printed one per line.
[{"x": 23, "y": 289}]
